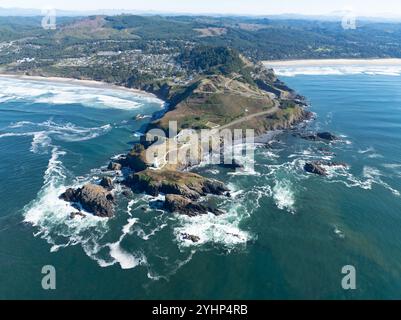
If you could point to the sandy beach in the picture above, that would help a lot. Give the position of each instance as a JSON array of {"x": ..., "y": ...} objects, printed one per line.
[
  {"x": 333, "y": 62},
  {"x": 71, "y": 81}
]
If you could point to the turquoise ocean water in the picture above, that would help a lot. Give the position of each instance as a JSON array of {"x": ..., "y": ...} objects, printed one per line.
[{"x": 285, "y": 234}]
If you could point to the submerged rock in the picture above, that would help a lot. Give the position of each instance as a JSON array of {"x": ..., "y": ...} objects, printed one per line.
[
  {"x": 182, "y": 205},
  {"x": 93, "y": 198}
]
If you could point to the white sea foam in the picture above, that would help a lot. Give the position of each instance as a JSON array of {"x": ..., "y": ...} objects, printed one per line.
[
  {"x": 284, "y": 196},
  {"x": 124, "y": 258},
  {"x": 128, "y": 260},
  {"x": 291, "y": 71},
  {"x": 338, "y": 232},
  {"x": 248, "y": 201},
  {"x": 222, "y": 230},
  {"x": 213, "y": 171},
  {"x": 19, "y": 124},
  {"x": 16, "y": 134},
  {"x": 147, "y": 235},
  {"x": 52, "y": 218},
  {"x": 43, "y": 133},
  {"x": 373, "y": 175},
  {"x": 367, "y": 150},
  {"x": 370, "y": 176},
  {"x": 392, "y": 165},
  {"x": 40, "y": 142},
  {"x": 62, "y": 93},
  {"x": 375, "y": 156},
  {"x": 49, "y": 213},
  {"x": 370, "y": 153}
]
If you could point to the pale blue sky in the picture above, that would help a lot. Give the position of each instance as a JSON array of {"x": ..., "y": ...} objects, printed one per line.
[{"x": 260, "y": 7}]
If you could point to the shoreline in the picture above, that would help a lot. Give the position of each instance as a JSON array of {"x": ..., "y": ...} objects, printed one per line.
[
  {"x": 332, "y": 62},
  {"x": 80, "y": 82}
]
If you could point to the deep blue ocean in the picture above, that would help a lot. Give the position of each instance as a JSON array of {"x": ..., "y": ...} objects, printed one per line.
[{"x": 286, "y": 234}]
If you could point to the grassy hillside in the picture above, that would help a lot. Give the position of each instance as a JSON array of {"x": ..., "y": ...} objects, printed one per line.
[{"x": 216, "y": 100}]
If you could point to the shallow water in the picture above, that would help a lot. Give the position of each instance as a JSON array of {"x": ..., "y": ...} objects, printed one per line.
[{"x": 286, "y": 234}]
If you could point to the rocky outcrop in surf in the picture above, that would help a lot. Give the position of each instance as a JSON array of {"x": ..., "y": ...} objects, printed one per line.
[
  {"x": 73, "y": 215},
  {"x": 134, "y": 160},
  {"x": 315, "y": 168},
  {"x": 107, "y": 183},
  {"x": 320, "y": 136},
  {"x": 319, "y": 167},
  {"x": 92, "y": 198},
  {"x": 114, "y": 166},
  {"x": 182, "y": 205},
  {"x": 190, "y": 237},
  {"x": 189, "y": 185}
]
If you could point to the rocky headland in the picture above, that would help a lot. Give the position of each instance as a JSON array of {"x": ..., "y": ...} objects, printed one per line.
[{"x": 256, "y": 100}]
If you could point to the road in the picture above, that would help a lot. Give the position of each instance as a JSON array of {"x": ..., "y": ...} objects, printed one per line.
[
  {"x": 249, "y": 94},
  {"x": 272, "y": 110}
]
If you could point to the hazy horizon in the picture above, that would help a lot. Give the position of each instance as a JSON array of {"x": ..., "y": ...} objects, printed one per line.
[{"x": 366, "y": 8}]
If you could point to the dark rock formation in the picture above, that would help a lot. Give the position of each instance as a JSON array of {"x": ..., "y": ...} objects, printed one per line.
[
  {"x": 315, "y": 168},
  {"x": 326, "y": 136},
  {"x": 135, "y": 159},
  {"x": 93, "y": 198},
  {"x": 69, "y": 195},
  {"x": 332, "y": 164},
  {"x": 186, "y": 184},
  {"x": 190, "y": 237},
  {"x": 127, "y": 193},
  {"x": 107, "y": 183},
  {"x": 182, "y": 205},
  {"x": 73, "y": 215},
  {"x": 114, "y": 166}
]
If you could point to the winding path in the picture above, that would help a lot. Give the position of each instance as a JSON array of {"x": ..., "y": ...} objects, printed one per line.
[{"x": 272, "y": 110}]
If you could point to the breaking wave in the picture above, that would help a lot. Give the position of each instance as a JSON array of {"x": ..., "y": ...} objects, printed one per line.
[
  {"x": 63, "y": 93},
  {"x": 43, "y": 133},
  {"x": 283, "y": 195},
  {"x": 290, "y": 71},
  {"x": 221, "y": 230},
  {"x": 52, "y": 216}
]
